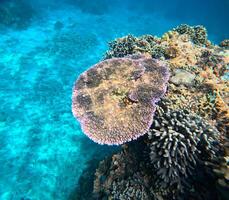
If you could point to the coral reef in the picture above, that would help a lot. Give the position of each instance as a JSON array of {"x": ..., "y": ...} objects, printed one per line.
[
  {"x": 185, "y": 153},
  {"x": 16, "y": 14},
  {"x": 130, "y": 45},
  {"x": 163, "y": 165},
  {"x": 197, "y": 72},
  {"x": 121, "y": 47},
  {"x": 182, "y": 77},
  {"x": 115, "y": 99}
]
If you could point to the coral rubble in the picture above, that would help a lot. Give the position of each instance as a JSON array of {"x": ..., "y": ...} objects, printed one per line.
[{"x": 115, "y": 99}]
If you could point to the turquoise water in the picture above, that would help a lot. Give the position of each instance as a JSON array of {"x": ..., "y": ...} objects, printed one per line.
[{"x": 42, "y": 149}]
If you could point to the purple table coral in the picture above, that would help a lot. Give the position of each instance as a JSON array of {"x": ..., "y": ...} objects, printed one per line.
[{"x": 115, "y": 99}]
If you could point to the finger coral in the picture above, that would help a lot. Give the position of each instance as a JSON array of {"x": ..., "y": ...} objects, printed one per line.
[
  {"x": 179, "y": 142},
  {"x": 115, "y": 99}
]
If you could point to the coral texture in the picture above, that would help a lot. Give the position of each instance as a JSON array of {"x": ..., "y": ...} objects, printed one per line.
[
  {"x": 185, "y": 155},
  {"x": 130, "y": 45},
  {"x": 115, "y": 99},
  {"x": 198, "y": 72},
  {"x": 123, "y": 176},
  {"x": 179, "y": 142},
  {"x": 165, "y": 164},
  {"x": 224, "y": 43},
  {"x": 198, "y": 34}
]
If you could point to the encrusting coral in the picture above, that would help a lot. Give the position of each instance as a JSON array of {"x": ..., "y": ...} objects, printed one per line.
[
  {"x": 123, "y": 176},
  {"x": 185, "y": 153},
  {"x": 115, "y": 99}
]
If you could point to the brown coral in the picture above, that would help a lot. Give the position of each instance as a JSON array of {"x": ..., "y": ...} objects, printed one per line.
[
  {"x": 115, "y": 99},
  {"x": 186, "y": 49},
  {"x": 123, "y": 176},
  {"x": 223, "y": 114},
  {"x": 224, "y": 43},
  {"x": 185, "y": 53},
  {"x": 199, "y": 85}
]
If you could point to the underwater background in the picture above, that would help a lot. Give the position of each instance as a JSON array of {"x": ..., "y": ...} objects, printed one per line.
[{"x": 44, "y": 46}]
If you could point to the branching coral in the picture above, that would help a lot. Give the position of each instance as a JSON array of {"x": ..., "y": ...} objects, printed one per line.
[
  {"x": 213, "y": 63},
  {"x": 196, "y": 101},
  {"x": 223, "y": 114},
  {"x": 198, "y": 34},
  {"x": 178, "y": 142},
  {"x": 121, "y": 47},
  {"x": 115, "y": 99},
  {"x": 180, "y": 51},
  {"x": 130, "y": 45},
  {"x": 171, "y": 45}
]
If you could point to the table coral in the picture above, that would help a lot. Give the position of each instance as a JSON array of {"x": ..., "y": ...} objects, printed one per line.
[
  {"x": 115, "y": 99},
  {"x": 204, "y": 63}
]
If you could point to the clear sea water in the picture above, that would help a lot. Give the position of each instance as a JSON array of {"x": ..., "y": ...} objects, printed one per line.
[{"x": 43, "y": 151}]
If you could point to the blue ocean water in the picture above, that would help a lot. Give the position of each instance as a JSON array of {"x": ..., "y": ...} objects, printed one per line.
[{"x": 42, "y": 148}]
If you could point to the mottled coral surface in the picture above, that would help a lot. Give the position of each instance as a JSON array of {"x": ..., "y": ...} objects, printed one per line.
[
  {"x": 186, "y": 153},
  {"x": 115, "y": 99}
]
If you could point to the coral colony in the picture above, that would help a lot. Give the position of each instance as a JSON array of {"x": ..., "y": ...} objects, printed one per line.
[
  {"x": 115, "y": 99},
  {"x": 183, "y": 152}
]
